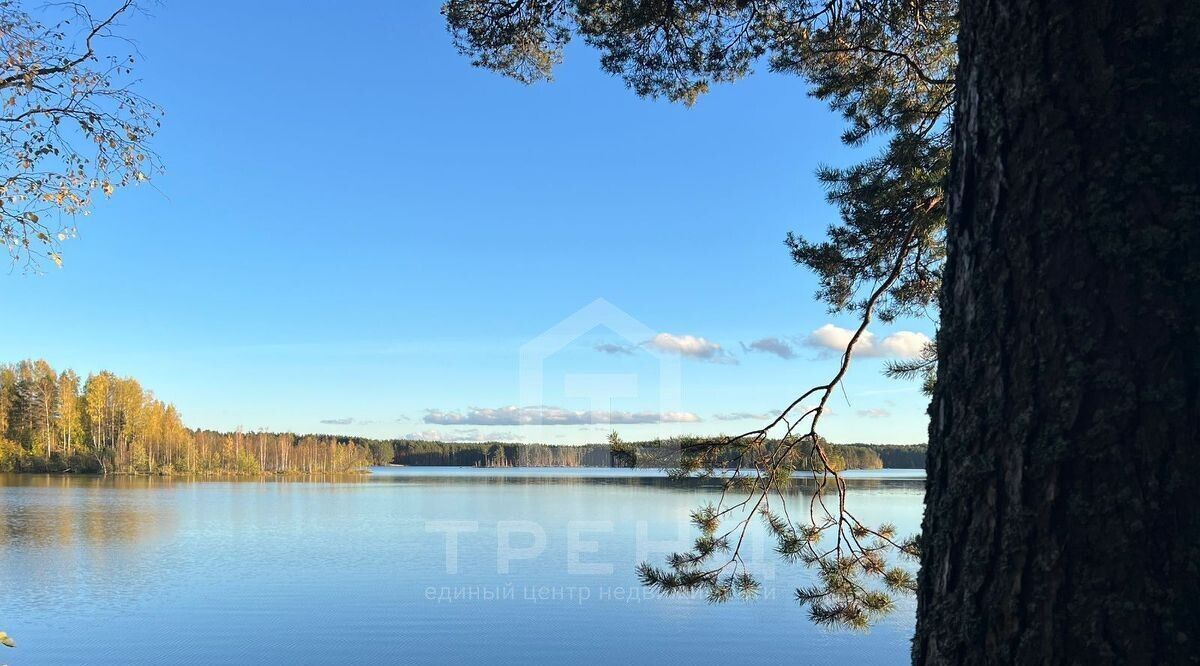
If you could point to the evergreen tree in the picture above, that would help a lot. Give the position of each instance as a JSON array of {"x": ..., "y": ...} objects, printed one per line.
[
  {"x": 1062, "y": 520},
  {"x": 1065, "y": 196},
  {"x": 888, "y": 68}
]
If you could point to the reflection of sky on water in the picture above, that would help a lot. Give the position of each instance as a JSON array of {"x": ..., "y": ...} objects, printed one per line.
[{"x": 145, "y": 571}]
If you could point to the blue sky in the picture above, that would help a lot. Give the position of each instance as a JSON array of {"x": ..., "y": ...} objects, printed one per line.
[{"x": 358, "y": 232}]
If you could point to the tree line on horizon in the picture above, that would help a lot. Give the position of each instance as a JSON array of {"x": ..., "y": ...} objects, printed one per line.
[
  {"x": 60, "y": 422},
  {"x": 654, "y": 454}
]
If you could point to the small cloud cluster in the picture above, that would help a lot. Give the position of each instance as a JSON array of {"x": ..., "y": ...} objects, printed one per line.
[
  {"x": 686, "y": 346},
  {"x": 512, "y": 416},
  {"x": 690, "y": 346},
  {"x": 614, "y": 348},
  {"x": 777, "y": 346},
  {"x": 342, "y": 421},
  {"x": 828, "y": 338},
  {"x": 462, "y": 435},
  {"x": 901, "y": 344}
]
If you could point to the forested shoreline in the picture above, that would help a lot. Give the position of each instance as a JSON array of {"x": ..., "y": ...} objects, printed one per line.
[
  {"x": 58, "y": 422},
  {"x": 501, "y": 454}
]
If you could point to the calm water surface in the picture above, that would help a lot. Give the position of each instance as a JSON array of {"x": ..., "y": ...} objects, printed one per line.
[{"x": 360, "y": 570}]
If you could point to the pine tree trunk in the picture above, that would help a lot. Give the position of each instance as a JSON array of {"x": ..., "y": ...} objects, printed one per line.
[{"x": 1063, "y": 508}]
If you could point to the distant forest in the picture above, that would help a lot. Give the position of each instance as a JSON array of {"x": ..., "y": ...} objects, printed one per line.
[
  {"x": 497, "y": 454},
  {"x": 57, "y": 422}
]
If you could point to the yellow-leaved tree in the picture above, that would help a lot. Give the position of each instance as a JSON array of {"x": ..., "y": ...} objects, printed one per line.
[{"x": 72, "y": 126}]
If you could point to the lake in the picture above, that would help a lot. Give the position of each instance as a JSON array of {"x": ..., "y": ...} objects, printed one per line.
[{"x": 421, "y": 565}]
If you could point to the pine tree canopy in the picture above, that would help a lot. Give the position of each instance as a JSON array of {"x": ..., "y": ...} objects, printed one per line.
[{"x": 888, "y": 68}]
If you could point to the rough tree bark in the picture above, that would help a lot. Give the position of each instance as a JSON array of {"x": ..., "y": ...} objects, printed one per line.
[{"x": 1063, "y": 508}]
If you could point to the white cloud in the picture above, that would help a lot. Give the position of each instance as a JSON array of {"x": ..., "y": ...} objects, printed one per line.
[
  {"x": 901, "y": 344},
  {"x": 690, "y": 346},
  {"x": 513, "y": 415},
  {"x": 614, "y": 348},
  {"x": 342, "y": 421},
  {"x": 462, "y": 435},
  {"x": 835, "y": 338},
  {"x": 777, "y": 346}
]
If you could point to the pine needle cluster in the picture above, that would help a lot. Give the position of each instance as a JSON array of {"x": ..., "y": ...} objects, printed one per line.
[{"x": 888, "y": 67}]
